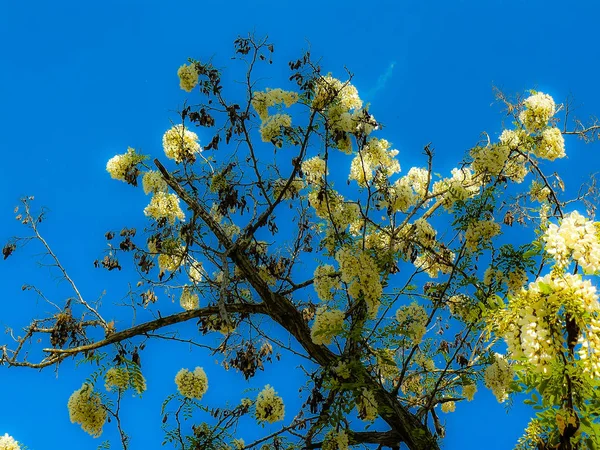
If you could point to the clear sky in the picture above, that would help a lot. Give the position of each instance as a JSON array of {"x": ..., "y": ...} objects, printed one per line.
[{"x": 82, "y": 80}]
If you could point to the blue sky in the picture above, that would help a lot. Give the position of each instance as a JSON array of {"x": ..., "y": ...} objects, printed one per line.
[{"x": 81, "y": 81}]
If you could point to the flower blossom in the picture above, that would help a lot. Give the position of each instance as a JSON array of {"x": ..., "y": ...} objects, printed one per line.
[
  {"x": 269, "y": 406},
  {"x": 85, "y": 408},
  {"x": 192, "y": 384},
  {"x": 181, "y": 144}
]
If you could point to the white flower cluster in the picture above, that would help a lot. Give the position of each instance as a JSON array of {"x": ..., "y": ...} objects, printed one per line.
[
  {"x": 331, "y": 206},
  {"x": 327, "y": 325},
  {"x": 459, "y": 187},
  {"x": 314, "y": 170},
  {"x": 512, "y": 139},
  {"x": 577, "y": 238},
  {"x": 374, "y": 156},
  {"x": 359, "y": 270},
  {"x": 367, "y": 405},
  {"x": 551, "y": 145},
  {"x": 269, "y": 406},
  {"x": 589, "y": 350},
  {"x": 163, "y": 205},
  {"x": 188, "y": 77},
  {"x": 498, "y": 376},
  {"x": 478, "y": 233},
  {"x": 170, "y": 256},
  {"x": 401, "y": 195},
  {"x": 271, "y": 127},
  {"x": 336, "y": 441},
  {"x": 195, "y": 271},
  {"x": 418, "y": 177},
  {"x": 181, "y": 144},
  {"x": 121, "y": 379},
  {"x": 8, "y": 443},
  {"x": 192, "y": 384},
  {"x": 332, "y": 92},
  {"x": 489, "y": 160},
  {"x": 413, "y": 320},
  {"x": 152, "y": 181},
  {"x": 539, "y": 109},
  {"x": 120, "y": 165},
  {"x": 262, "y": 101},
  {"x": 325, "y": 281},
  {"x": 188, "y": 299},
  {"x": 528, "y": 326},
  {"x": 85, "y": 408}
]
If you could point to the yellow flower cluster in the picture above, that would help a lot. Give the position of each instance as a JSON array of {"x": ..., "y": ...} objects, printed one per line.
[
  {"x": 331, "y": 206},
  {"x": 269, "y": 406},
  {"x": 195, "y": 271},
  {"x": 577, "y": 238},
  {"x": 478, "y": 233},
  {"x": 469, "y": 391},
  {"x": 120, "y": 165},
  {"x": 163, "y": 205},
  {"x": 188, "y": 299},
  {"x": 271, "y": 127},
  {"x": 551, "y": 146},
  {"x": 262, "y": 101},
  {"x": 448, "y": 407},
  {"x": 375, "y": 155},
  {"x": 498, "y": 376},
  {"x": 8, "y": 443},
  {"x": 412, "y": 319},
  {"x": 192, "y": 384},
  {"x": 116, "y": 378},
  {"x": 85, "y": 408},
  {"x": 325, "y": 281},
  {"x": 539, "y": 109},
  {"x": 336, "y": 441},
  {"x": 152, "y": 181},
  {"x": 181, "y": 144},
  {"x": 367, "y": 405},
  {"x": 489, "y": 160},
  {"x": 327, "y": 325},
  {"x": 122, "y": 378},
  {"x": 170, "y": 256},
  {"x": 359, "y": 270},
  {"x": 333, "y": 92},
  {"x": 314, "y": 170},
  {"x": 188, "y": 77}
]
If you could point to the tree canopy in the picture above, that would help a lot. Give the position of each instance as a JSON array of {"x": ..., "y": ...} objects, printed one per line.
[{"x": 400, "y": 291}]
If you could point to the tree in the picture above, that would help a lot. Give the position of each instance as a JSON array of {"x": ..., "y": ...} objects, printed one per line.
[{"x": 396, "y": 290}]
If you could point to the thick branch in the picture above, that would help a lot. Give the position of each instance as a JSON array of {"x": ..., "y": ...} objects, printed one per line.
[
  {"x": 409, "y": 429},
  {"x": 160, "y": 323}
]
